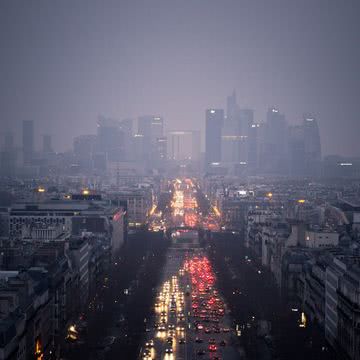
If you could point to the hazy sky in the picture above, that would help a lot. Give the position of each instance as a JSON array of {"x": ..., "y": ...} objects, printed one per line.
[{"x": 64, "y": 62}]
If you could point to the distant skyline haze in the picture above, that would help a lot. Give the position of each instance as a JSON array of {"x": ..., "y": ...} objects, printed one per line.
[{"x": 63, "y": 63}]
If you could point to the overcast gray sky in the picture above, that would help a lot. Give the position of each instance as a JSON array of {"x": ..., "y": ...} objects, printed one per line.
[{"x": 64, "y": 62}]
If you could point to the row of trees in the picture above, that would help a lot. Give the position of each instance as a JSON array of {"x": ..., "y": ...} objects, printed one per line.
[{"x": 252, "y": 295}]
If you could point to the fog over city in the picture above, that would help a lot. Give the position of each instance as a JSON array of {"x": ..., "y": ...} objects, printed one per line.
[
  {"x": 63, "y": 63},
  {"x": 179, "y": 180}
]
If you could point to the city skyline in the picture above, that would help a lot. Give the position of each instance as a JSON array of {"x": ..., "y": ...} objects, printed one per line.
[
  {"x": 179, "y": 180},
  {"x": 15, "y": 130},
  {"x": 100, "y": 63}
]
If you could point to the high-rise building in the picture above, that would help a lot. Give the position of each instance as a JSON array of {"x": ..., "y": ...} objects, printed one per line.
[
  {"x": 161, "y": 151},
  {"x": 246, "y": 117},
  {"x": 231, "y": 130},
  {"x": 296, "y": 151},
  {"x": 126, "y": 126},
  {"x": 28, "y": 141},
  {"x": 235, "y": 132},
  {"x": 180, "y": 145},
  {"x": 255, "y": 141},
  {"x": 230, "y": 148},
  {"x": 213, "y": 130},
  {"x": 157, "y": 128},
  {"x": 139, "y": 152},
  {"x": 47, "y": 144},
  {"x": 151, "y": 128},
  {"x": 232, "y": 108},
  {"x": 312, "y": 145},
  {"x": 84, "y": 147},
  {"x": 274, "y": 150},
  {"x": 110, "y": 139}
]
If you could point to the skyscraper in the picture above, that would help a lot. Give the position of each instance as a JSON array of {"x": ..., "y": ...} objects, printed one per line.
[
  {"x": 231, "y": 131},
  {"x": 274, "y": 150},
  {"x": 139, "y": 152},
  {"x": 47, "y": 144},
  {"x": 126, "y": 126},
  {"x": 213, "y": 128},
  {"x": 296, "y": 151},
  {"x": 235, "y": 132},
  {"x": 161, "y": 145},
  {"x": 28, "y": 141},
  {"x": 232, "y": 108},
  {"x": 312, "y": 145},
  {"x": 180, "y": 145},
  {"x": 84, "y": 146},
  {"x": 151, "y": 128},
  {"x": 110, "y": 139},
  {"x": 255, "y": 142},
  {"x": 246, "y": 117}
]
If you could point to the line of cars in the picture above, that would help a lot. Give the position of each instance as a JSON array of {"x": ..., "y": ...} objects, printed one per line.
[
  {"x": 170, "y": 319},
  {"x": 207, "y": 307},
  {"x": 189, "y": 303}
]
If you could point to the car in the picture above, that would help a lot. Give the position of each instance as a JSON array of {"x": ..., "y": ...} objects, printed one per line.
[
  {"x": 182, "y": 341},
  {"x": 198, "y": 340},
  {"x": 168, "y": 351},
  {"x": 207, "y": 331},
  {"x": 201, "y": 352},
  {"x": 146, "y": 353},
  {"x": 169, "y": 340},
  {"x": 149, "y": 344},
  {"x": 212, "y": 341},
  {"x": 212, "y": 348},
  {"x": 226, "y": 330}
]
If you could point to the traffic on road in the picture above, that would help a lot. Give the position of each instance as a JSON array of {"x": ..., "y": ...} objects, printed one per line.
[{"x": 191, "y": 319}]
